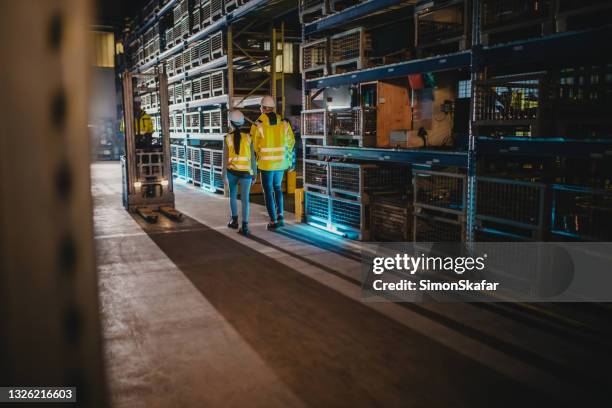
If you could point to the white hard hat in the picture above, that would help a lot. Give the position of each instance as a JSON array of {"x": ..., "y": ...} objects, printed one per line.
[
  {"x": 268, "y": 102},
  {"x": 236, "y": 117}
]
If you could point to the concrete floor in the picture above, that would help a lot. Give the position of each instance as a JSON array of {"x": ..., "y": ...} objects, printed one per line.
[{"x": 195, "y": 315}]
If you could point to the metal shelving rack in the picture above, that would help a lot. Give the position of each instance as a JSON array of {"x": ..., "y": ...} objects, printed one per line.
[
  {"x": 547, "y": 50},
  {"x": 227, "y": 61}
]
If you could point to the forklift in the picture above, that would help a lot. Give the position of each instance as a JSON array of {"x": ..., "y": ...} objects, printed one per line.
[{"x": 146, "y": 168}]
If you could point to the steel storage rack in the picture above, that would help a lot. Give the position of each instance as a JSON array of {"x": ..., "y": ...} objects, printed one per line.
[
  {"x": 442, "y": 26},
  {"x": 506, "y": 21}
]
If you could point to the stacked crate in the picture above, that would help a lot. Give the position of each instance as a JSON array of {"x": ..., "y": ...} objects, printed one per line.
[
  {"x": 182, "y": 26},
  {"x": 337, "y": 194},
  {"x": 314, "y": 58},
  {"x": 509, "y": 210},
  {"x": 391, "y": 217},
  {"x": 511, "y": 106},
  {"x": 581, "y": 213},
  {"x": 348, "y": 124},
  {"x": 349, "y": 50},
  {"x": 194, "y": 165},
  {"x": 439, "y": 206},
  {"x": 506, "y": 21},
  {"x": 178, "y": 154},
  {"x": 582, "y": 14},
  {"x": 442, "y": 26},
  {"x": 193, "y": 121},
  {"x": 212, "y": 170},
  {"x": 217, "y": 10},
  {"x": 176, "y": 122},
  {"x": 312, "y": 10},
  {"x": 212, "y": 121}
]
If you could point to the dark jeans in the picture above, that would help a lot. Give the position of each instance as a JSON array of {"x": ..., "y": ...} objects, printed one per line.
[{"x": 271, "y": 181}]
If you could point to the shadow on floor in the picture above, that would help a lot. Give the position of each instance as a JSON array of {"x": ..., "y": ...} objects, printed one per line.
[{"x": 329, "y": 349}]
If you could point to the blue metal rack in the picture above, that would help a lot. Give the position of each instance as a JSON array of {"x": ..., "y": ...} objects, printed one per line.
[
  {"x": 418, "y": 157},
  {"x": 360, "y": 10},
  {"x": 551, "y": 50}
]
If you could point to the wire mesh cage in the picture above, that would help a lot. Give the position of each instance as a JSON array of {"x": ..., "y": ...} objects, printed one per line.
[
  {"x": 186, "y": 60},
  {"x": 434, "y": 227},
  {"x": 196, "y": 18},
  {"x": 582, "y": 14},
  {"x": 181, "y": 8},
  {"x": 582, "y": 213},
  {"x": 510, "y": 208},
  {"x": 218, "y": 184},
  {"x": 196, "y": 89},
  {"x": 349, "y": 50},
  {"x": 391, "y": 218},
  {"x": 312, "y": 10},
  {"x": 169, "y": 37},
  {"x": 510, "y": 106},
  {"x": 192, "y": 122},
  {"x": 178, "y": 63},
  {"x": 350, "y": 218},
  {"x": 169, "y": 64},
  {"x": 218, "y": 125},
  {"x": 217, "y": 158},
  {"x": 316, "y": 174},
  {"x": 314, "y": 58},
  {"x": 357, "y": 180},
  {"x": 150, "y": 9},
  {"x": 171, "y": 94},
  {"x": 206, "y": 178},
  {"x": 510, "y": 20},
  {"x": 204, "y": 51},
  {"x": 316, "y": 208},
  {"x": 216, "y": 9},
  {"x": 216, "y": 45},
  {"x": 178, "y": 92},
  {"x": 206, "y": 86},
  {"x": 231, "y": 5},
  {"x": 442, "y": 28},
  {"x": 439, "y": 191},
  {"x": 207, "y": 157},
  {"x": 314, "y": 123},
  {"x": 206, "y": 19},
  {"x": 217, "y": 83}
]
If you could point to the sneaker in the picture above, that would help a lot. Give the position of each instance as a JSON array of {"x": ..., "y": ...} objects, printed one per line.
[
  {"x": 244, "y": 230},
  {"x": 281, "y": 221},
  {"x": 233, "y": 224},
  {"x": 272, "y": 226}
]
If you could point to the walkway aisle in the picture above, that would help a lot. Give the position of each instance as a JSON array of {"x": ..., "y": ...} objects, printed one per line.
[{"x": 195, "y": 315}]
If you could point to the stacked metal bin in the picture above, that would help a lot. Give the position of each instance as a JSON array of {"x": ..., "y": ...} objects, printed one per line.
[
  {"x": 194, "y": 165},
  {"x": 311, "y": 10},
  {"x": 337, "y": 194},
  {"x": 356, "y": 124},
  {"x": 391, "y": 217},
  {"x": 509, "y": 210},
  {"x": 439, "y": 206},
  {"x": 504, "y": 21},
  {"x": 178, "y": 161},
  {"x": 581, "y": 213},
  {"x": 442, "y": 26},
  {"x": 212, "y": 170}
]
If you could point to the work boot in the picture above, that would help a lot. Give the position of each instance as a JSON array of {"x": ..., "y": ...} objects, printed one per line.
[
  {"x": 272, "y": 226},
  {"x": 233, "y": 224},
  {"x": 281, "y": 221},
  {"x": 244, "y": 230}
]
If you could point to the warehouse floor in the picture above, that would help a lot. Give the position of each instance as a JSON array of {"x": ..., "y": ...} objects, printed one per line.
[{"x": 196, "y": 315}]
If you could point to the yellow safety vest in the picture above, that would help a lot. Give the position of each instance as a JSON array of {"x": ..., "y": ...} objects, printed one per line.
[
  {"x": 239, "y": 160},
  {"x": 142, "y": 126},
  {"x": 273, "y": 141}
]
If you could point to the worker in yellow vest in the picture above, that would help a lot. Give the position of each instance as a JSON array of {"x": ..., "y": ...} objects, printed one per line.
[
  {"x": 273, "y": 141},
  {"x": 239, "y": 167},
  {"x": 143, "y": 126}
]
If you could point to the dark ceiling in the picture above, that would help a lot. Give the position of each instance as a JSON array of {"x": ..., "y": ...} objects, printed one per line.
[{"x": 113, "y": 12}]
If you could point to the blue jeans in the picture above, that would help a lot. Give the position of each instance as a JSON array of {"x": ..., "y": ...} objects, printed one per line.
[
  {"x": 245, "y": 188},
  {"x": 271, "y": 181}
]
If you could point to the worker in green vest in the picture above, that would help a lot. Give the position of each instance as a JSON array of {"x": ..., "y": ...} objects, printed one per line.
[{"x": 273, "y": 141}]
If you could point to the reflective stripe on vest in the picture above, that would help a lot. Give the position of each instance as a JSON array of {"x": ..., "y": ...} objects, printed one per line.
[
  {"x": 241, "y": 160},
  {"x": 272, "y": 144}
]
